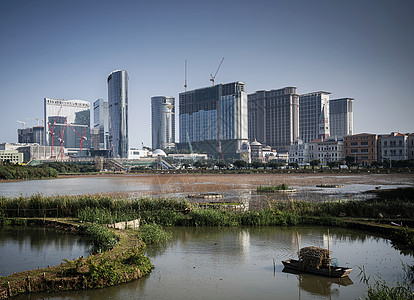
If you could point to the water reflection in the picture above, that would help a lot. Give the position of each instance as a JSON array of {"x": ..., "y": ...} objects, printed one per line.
[
  {"x": 28, "y": 248},
  {"x": 237, "y": 263},
  {"x": 318, "y": 285}
]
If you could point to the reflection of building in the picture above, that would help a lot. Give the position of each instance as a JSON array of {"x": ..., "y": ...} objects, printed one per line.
[
  {"x": 394, "y": 146},
  {"x": 163, "y": 122},
  {"x": 31, "y": 135},
  {"x": 314, "y": 116},
  {"x": 118, "y": 113},
  {"x": 214, "y": 119},
  {"x": 362, "y": 148},
  {"x": 274, "y": 117},
  {"x": 67, "y": 124},
  {"x": 341, "y": 122},
  {"x": 100, "y": 123}
]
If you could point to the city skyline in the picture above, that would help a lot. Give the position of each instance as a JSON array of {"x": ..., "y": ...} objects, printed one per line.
[{"x": 65, "y": 51}]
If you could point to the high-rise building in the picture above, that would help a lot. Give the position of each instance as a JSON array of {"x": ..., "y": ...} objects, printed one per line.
[
  {"x": 314, "y": 116},
  {"x": 341, "y": 117},
  {"x": 67, "y": 124},
  {"x": 214, "y": 119},
  {"x": 31, "y": 135},
  {"x": 100, "y": 123},
  {"x": 163, "y": 122},
  {"x": 274, "y": 117},
  {"x": 118, "y": 113}
]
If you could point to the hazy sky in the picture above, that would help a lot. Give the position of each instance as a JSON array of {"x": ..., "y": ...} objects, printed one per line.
[{"x": 66, "y": 49}]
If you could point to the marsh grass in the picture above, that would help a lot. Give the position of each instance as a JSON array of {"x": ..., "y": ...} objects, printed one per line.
[{"x": 154, "y": 234}]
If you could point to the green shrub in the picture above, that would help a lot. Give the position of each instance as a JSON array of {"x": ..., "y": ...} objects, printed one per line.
[
  {"x": 154, "y": 234},
  {"x": 102, "y": 238}
]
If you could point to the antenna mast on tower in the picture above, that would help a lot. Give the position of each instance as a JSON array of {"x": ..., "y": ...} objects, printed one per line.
[{"x": 185, "y": 81}]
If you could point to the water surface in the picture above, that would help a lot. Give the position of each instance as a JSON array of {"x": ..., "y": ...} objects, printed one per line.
[{"x": 237, "y": 263}]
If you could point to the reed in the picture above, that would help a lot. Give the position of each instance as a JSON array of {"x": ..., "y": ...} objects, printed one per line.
[{"x": 154, "y": 234}]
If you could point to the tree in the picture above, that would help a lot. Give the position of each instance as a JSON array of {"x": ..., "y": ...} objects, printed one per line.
[
  {"x": 240, "y": 164},
  {"x": 294, "y": 165},
  {"x": 333, "y": 164},
  {"x": 257, "y": 164},
  {"x": 350, "y": 161},
  {"x": 314, "y": 163}
]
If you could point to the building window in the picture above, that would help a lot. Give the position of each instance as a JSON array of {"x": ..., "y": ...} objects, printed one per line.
[{"x": 364, "y": 150}]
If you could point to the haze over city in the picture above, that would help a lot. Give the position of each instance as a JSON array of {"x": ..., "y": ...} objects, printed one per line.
[{"x": 65, "y": 50}]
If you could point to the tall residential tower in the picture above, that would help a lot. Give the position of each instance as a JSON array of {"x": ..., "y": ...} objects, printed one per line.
[
  {"x": 163, "y": 122},
  {"x": 118, "y": 113}
]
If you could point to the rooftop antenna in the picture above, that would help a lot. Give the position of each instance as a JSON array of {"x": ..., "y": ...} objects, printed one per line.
[
  {"x": 218, "y": 68},
  {"x": 185, "y": 82}
]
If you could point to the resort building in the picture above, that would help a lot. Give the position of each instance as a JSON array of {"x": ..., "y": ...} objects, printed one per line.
[
  {"x": 341, "y": 117},
  {"x": 213, "y": 120},
  {"x": 118, "y": 113},
  {"x": 314, "y": 116},
  {"x": 274, "y": 117},
  {"x": 410, "y": 146}
]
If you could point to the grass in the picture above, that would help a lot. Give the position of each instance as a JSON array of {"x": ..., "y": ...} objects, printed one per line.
[
  {"x": 270, "y": 189},
  {"x": 154, "y": 234}
]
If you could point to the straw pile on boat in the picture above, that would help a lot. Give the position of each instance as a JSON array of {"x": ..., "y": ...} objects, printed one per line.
[{"x": 313, "y": 257}]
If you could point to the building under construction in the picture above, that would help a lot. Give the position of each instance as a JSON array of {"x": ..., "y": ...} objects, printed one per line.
[{"x": 213, "y": 120}]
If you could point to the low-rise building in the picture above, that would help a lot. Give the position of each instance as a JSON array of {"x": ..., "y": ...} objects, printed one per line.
[
  {"x": 410, "y": 146},
  {"x": 326, "y": 151},
  {"x": 394, "y": 146},
  {"x": 11, "y": 156},
  {"x": 299, "y": 153},
  {"x": 363, "y": 148}
]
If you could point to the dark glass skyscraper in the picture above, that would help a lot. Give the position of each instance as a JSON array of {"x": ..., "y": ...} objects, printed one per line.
[{"x": 118, "y": 113}]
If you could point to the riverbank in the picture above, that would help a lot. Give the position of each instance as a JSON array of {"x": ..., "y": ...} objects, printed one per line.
[{"x": 123, "y": 263}]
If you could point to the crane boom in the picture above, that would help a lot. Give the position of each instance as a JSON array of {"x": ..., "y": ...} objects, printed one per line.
[{"x": 215, "y": 74}]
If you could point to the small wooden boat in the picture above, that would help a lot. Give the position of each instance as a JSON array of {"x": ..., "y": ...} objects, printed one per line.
[{"x": 337, "y": 272}]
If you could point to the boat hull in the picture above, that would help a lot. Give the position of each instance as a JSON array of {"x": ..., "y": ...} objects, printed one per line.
[{"x": 337, "y": 272}]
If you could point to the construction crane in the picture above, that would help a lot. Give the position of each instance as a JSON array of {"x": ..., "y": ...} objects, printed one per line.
[
  {"x": 23, "y": 123},
  {"x": 212, "y": 77},
  {"x": 38, "y": 120}
]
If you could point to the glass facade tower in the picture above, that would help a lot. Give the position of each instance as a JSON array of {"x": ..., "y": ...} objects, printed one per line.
[
  {"x": 118, "y": 113},
  {"x": 163, "y": 122},
  {"x": 341, "y": 115},
  {"x": 100, "y": 122}
]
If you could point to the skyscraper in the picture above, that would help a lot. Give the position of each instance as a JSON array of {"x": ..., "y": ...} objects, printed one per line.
[
  {"x": 314, "y": 116},
  {"x": 100, "y": 122},
  {"x": 274, "y": 117},
  {"x": 341, "y": 117},
  {"x": 163, "y": 122},
  {"x": 214, "y": 119},
  {"x": 118, "y": 113},
  {"x": 67, "y": 124}
]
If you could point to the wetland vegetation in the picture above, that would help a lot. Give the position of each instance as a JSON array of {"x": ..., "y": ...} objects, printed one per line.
[{"x": 119, "y": 255}]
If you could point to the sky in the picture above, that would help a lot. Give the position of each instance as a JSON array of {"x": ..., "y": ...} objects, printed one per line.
[{"x": 362, "y": 49}]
